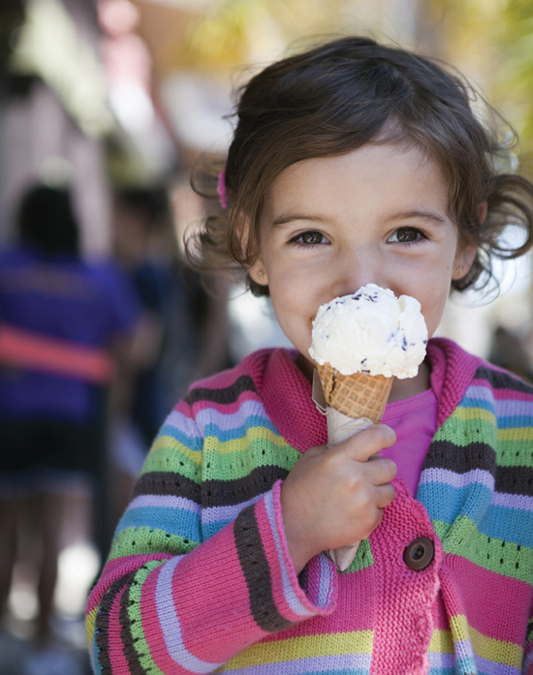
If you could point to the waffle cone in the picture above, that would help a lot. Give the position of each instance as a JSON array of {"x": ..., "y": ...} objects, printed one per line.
[{"x": 355, "y": 395}]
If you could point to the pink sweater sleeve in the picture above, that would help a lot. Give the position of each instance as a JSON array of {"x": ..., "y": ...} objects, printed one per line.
[{"x": 192, "y": 613}]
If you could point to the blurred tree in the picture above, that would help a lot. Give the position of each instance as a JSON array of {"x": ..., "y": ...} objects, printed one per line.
[
  {"x": 220, "y": 36},
  {"x": 236, "y": 32},
  {"x": 515, "y": 81},
  {"x": 491, "y": 41}
]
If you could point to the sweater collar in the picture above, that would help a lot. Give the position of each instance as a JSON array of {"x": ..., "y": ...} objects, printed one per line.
[
  {"x": 286, "y": 393},
  {"x": 452, "y": 371}
]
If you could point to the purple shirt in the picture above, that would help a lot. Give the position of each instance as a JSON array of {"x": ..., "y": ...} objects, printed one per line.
[
  {"x": 415, "y": 421},
  {"x": 66, "y": 298}
]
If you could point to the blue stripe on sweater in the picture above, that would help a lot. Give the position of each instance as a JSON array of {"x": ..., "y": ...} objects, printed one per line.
[
  {"x": 251, "y": 422},
  {"x": 515, "y": 422},
  {"x": 195, "y": 444},
  {"x": 228, "y": 420},
  {"x": 521, "y": 411},
  {"x": 176, "y": 521},
  {"x": 508, "y": 524},
  {"x": 446, "y": 502},
  {"x": 210, "y": 529},
  {"x": 468, "y": 402},
  {"x": 522, "y": 418}
]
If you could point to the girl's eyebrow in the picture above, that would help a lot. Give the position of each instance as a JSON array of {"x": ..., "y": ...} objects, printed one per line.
[
  {"x": 424, "y": 214},
  {"x": 288, "y": 217}
]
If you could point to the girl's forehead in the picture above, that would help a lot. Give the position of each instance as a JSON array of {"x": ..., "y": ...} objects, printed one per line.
[
  {"x": 373, "y": 184},
  {"x": 306, "y": 174}
]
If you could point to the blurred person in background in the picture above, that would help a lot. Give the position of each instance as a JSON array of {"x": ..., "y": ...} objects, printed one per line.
[
  {"x": 508, "y": 350},
  {"x": 64, "y": 325},
  {"x": 139, "y": 223},
  {"x": 181, "y": 336},
  {"x": 140, "y": 217},
  {"x": 203, "y": 349}
]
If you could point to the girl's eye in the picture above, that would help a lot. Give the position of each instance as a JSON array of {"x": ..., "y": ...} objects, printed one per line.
[
  {"x": 406, "y": 235},
  {"x": 310, "y": 238}
]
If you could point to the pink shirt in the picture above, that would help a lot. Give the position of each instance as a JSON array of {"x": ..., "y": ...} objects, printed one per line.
[{"x": 415, "y": 421}]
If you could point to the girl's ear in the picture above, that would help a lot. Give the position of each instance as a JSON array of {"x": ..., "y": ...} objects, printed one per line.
[
  {"x": 465, "y": 254},
  {"x": 464, "y": 257},
  {"x": 256, "y": 270},
  {"x": 258, "y": 273}
]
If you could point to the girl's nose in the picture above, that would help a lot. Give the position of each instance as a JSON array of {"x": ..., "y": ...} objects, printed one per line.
[{"x": 356, "y": 269}]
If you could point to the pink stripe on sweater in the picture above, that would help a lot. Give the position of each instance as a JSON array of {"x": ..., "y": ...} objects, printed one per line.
[
  {"x": 491, "y": 617},
  {"x": 227, "y": 408},
  {"x": 119, "y": 664},
  {"x": 184, "y": 409},
  {"x": 503, "y": 394},
  {"x": 224, "y": 379}
]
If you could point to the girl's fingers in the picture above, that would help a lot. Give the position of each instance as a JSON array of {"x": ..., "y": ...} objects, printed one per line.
[
  {"x": 384, "y": 495},
  {"x": 366, "y": 443},
  {"x": 381, "y": 471}
]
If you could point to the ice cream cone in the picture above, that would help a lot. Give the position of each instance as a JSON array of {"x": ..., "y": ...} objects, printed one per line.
[
  {"x": 356, "y": 395},
  {"x": 360, "y": 397}
]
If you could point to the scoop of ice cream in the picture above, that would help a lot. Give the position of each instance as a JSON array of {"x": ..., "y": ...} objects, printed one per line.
[{"x": 371, "y": 332}]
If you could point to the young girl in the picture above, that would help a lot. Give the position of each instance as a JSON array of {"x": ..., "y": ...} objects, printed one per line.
[{"x": 351, "y": 163}]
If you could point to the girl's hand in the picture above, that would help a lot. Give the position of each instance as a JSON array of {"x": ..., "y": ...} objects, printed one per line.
[{"x": 335, "y": 496}]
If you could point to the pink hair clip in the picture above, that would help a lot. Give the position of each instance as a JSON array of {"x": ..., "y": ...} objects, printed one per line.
[{"x": 221, "y": 190}]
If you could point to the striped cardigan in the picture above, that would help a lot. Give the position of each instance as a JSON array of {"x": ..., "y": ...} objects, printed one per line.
[{"x": 199, "y": 577}]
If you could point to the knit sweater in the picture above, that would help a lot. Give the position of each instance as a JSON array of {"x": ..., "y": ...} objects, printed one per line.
[{"x": 199, "y": 577}]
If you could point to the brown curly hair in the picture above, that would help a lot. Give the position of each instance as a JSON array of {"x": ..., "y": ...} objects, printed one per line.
[{"x": 337, "y": 97}]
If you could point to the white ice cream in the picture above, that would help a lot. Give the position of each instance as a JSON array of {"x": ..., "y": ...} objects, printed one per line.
[{"x": 371, "y": 332}]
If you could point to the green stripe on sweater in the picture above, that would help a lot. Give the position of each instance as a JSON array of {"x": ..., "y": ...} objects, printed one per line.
[
  {"x": 142, "y": 540},
  {"x": 257, "y": 453},
  {"x": 464, "y": 539}
]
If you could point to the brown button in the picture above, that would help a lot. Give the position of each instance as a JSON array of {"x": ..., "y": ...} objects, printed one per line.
[{"x": 419, "y": 554}]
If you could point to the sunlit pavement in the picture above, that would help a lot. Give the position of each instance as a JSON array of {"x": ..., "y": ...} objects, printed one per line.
[
  {"x": 67, "y": 655},
  {"x": 19, "y": 657},
  {"x": 15, "y": 651}
]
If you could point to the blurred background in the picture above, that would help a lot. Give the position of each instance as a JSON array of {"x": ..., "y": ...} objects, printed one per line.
[{"x": 105, "y": 105}]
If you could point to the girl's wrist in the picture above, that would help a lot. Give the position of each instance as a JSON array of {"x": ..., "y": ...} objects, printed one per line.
[
  {"x": 299, "y": 552},
  {"x": 298, "y": 557}
]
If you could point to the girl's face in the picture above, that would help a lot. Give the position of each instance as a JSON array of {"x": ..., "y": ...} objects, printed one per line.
[{"x": 375, "y": 215}]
